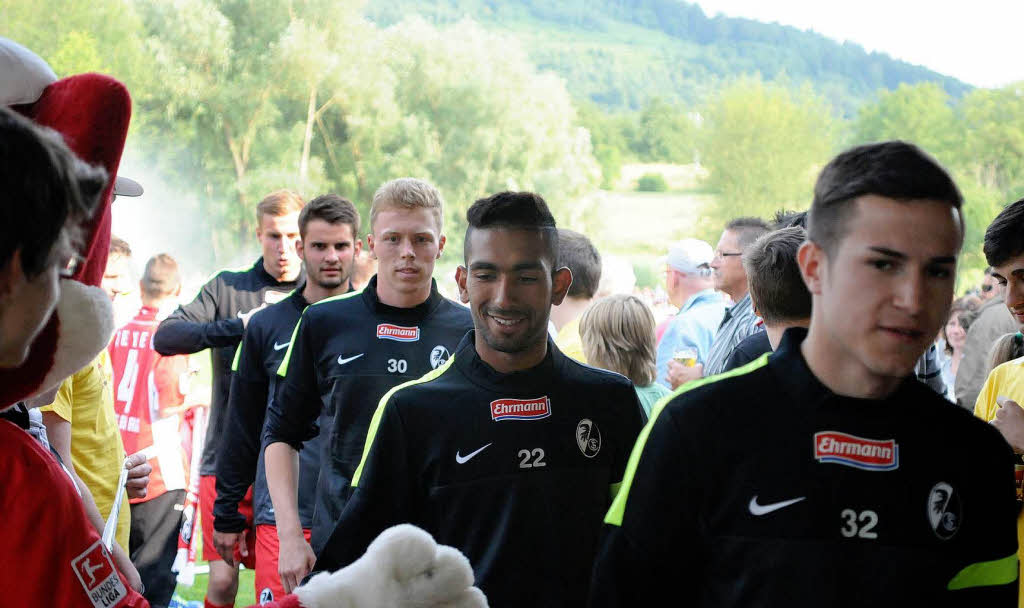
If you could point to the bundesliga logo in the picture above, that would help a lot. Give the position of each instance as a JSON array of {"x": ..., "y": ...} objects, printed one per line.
[
  {"x": 387, "y": 331},
  {"x": 520, "y": 409},
  {"x": 857, "y": 452}
]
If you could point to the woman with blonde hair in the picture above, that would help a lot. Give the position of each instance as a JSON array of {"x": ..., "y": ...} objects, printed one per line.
[{"x": 618, "y": 335}]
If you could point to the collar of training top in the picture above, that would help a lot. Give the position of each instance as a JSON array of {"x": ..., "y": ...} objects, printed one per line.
[
  {"x": 528, "y": 381},
  {"x": 261, "y": 271},
  {"x": 796, "y": 378},
  {"x": 414, "y": 313}
]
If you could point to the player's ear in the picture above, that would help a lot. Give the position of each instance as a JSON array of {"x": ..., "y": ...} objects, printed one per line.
[
  {"x": 440, "y": 245},
  {"x": 299, "y": 247},
  {"x": 357, "y": 247},
  {"x": 561, "y": 280},
  {"x": 812, "y": 260},
  {"x": 461, "y": 274},
  {"x": 369, "y": 243}
]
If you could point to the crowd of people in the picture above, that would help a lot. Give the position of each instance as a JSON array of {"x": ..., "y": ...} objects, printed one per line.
[{"x": 798, "y": 431}]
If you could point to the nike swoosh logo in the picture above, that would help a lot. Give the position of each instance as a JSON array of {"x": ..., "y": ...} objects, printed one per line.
[
  {"x": 464, "y": 459},
  {"x": 280, "y": 346},
  {"x": 756, "y": 509},
  {"x": 342, "y": 360}
]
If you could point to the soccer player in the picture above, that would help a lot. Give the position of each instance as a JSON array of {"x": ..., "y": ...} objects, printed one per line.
[
  {"x": 347, "y": 352},
  {"x": 215, "y": 319},
  {"x": 510, "y": 452},
  {"x": 826, "y": 474},
  {"x": 148, "y": 390},
  {"x": 329, "y": 230}
]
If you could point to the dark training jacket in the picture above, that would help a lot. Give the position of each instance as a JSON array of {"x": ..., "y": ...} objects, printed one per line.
[
  {"x": 346, "y": 353},
  {"x": 514, "y": 470},
  {"x": 253, "y": 386},
  {"x": 211, "y": 321},
  {"x": 762, "y": 487}
]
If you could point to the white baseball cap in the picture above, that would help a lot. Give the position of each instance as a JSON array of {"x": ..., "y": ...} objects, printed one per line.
[{"x": 692, "y": 256}]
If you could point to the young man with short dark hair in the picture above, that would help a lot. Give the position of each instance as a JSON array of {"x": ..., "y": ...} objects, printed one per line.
[
  {"x": 579, "y": 255},
  {"x": 329, "y": 231},
  {"x": 777, "y": 292},
  {"x": 346, "y": 353},
  {"x": 826, "y": 475},
  {"x": 216, "y": 320},
  {"x": 509, "y": 451}
]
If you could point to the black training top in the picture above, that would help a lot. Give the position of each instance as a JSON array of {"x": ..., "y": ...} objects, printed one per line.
[
  {"x": 763, "y": 487},
  {"x": 346, "y": 353},
  {"x": 749, "y": 349},
  {"x": 514, "y": 470},
  {"x": 253, "y": 386},
  {"x": 211, "y": 321}
]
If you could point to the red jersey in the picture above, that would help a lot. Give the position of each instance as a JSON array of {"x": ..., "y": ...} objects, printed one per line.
[
  {"x": 53, "y": 555},
  {"x": 146, "y": 385}
]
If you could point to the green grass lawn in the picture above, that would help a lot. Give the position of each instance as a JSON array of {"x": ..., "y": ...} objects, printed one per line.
[{"x": 246, "y": 592}]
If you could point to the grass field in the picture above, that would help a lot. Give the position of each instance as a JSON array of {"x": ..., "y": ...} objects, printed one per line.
[{"x": 246, "y": 593}]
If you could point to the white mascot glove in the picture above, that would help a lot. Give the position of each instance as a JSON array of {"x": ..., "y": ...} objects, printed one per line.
[{"x": 402, "y": 568}]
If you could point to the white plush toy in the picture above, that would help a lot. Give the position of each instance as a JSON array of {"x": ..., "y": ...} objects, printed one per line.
[{"x": 402, "y": 568}]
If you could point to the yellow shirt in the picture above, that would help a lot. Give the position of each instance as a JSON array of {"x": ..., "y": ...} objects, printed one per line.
[
  {"x": 570, "y": 342},
  {"x": 1006, "y": 380},
  {"x": 86, "y": 400}
]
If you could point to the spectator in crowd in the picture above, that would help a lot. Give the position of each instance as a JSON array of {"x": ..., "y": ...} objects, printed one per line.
[
  {"x": 739, "y": 321},
  {"x": 1003, "y": 390},
  {"x": 117, "y": 281},
  {"x": 578, "y": 254},
  {"x": 618, "y": 335},
  {"x": 1007, "y": 348},
  {"x": 81, "y": 426},
  {"x": 690, "y": 288},
  {"x": 777, "y": 292},
  {"x": 149, "y": 395},
  {"x": 990, "y": 287},
  {"x": 991, "y": 321},
  {"x": 954, "y": 335},
  {"x": 49, "y": 195}
]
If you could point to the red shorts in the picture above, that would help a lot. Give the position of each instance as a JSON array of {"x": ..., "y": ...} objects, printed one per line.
[
  {"x": 268, "y": 581},
  {"x": 207, "y": 495}
]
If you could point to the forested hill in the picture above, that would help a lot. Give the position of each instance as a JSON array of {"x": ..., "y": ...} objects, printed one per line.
[{"x": 622, "y": 53}]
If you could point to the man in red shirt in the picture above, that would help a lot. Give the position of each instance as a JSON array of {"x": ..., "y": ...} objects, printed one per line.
[{"x": 148, "y": 396}]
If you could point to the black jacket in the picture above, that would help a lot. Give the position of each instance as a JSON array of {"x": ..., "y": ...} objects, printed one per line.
[
  {"x": 253, "y": 385},
  {"x": 346, "y": 353},
  {"x": 211, "y": 321},
  {"x": 763, "y": 488},
  {"x": 514, "y": 470}
]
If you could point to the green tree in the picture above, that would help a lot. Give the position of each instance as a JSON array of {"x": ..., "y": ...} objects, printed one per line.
[
  {"x": 993, "y": 147},
  {"x": 921, "y": 114},
  {"x": 664, "y": 134},
  {"x": 763, "y": 145}
]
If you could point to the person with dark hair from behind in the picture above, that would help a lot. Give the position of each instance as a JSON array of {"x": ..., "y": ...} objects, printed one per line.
[
  {"x": 618, "y": 335},
  {"x": 827, "y": 458},
  {"x": 510, "y": 450},
  {"x": 777, "y": 292},
  {"x": 578, "y": 254},
  {"x": 992, "y": 320},
  {"x": 150, "y": 395},
  {"x": 49, "y": 194}
]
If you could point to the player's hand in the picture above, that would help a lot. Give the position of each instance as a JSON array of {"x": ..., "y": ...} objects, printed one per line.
[
  {"x": 126, "y": 567},
  {"x": 226, "y": 542},
  {"x": 294, "y": 561},
  {"x": 1010, "y": 422},
  {"x": 138, "y": 475},
  {"x": 245, "y": 316},
  {"x": 679, "y": 374}
]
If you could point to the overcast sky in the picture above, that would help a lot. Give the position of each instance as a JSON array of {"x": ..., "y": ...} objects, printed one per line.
[{"x": 978, "y": 41}]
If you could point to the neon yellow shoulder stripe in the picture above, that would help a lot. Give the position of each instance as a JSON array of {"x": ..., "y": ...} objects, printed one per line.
[
  {"x": 238, "y": 355},
  {"x": 282, "y": 370},
  {"x": 618, "y": 508},
  {"x": 986, "y": 574},
  {"x": 371, "y": 433}
]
